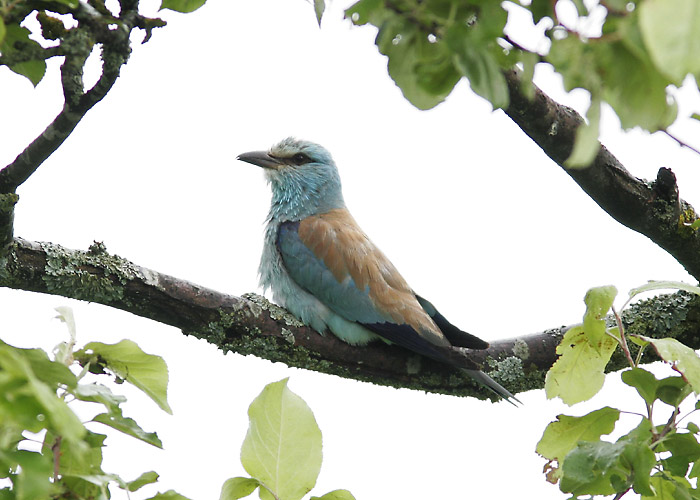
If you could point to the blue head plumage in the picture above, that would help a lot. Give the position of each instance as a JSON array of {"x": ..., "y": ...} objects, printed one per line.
[{"x": 303, "y": 177}]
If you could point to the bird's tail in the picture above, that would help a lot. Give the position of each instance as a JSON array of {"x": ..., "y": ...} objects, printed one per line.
[{"x": 487, "y": 381}]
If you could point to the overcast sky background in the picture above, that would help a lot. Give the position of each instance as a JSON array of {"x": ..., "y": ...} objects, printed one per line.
[{"x": 472, "y": 213}]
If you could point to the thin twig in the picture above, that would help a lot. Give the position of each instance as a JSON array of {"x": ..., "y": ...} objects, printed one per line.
[{"x": 681, "y": 143}]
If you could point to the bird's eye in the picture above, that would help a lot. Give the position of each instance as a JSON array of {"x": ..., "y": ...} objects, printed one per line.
[{"x": 300, "y": 159}]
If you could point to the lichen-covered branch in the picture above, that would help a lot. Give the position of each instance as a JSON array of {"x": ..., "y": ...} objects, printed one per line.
[
  {"x": 251, "y": 325},
  {"x": 75, "y": 44},
  {"x": 653, "y": 209}
]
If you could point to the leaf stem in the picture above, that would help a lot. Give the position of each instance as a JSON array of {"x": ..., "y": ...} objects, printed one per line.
[{"x": 623, "y": 339}]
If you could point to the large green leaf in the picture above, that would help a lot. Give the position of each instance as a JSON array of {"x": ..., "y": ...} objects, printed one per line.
[
  {"x": 584, "y": 352},
  {"x": 603, "y": 468},
  {"x": 282, "y": 448},
  {"x": 578, "y": 374},
  {"x": 125, "y": 359},
  {"x": 561, "y": 436},
  {"x": 588, "y": 468},
  {"x": 671, "y": 30}
]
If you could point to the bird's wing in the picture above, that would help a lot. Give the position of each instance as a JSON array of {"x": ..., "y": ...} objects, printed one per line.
[
  {"x": 331, "y": 257},
  {"x": 456, "y": 336}
]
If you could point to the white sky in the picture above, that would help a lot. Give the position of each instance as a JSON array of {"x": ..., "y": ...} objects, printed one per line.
[{"x": 473, "y": 214}]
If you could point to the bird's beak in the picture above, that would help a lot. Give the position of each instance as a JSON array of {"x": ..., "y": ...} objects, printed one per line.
[{"x": 261, "y": 159}]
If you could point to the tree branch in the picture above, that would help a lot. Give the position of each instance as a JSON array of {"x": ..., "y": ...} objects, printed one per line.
[
  {"x": 76, "y": 44},
  {"x": 251, "y": 325},
  {"x": 633, "y": 202}
]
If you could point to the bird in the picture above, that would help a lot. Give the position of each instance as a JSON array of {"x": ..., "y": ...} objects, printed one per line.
[{"x": 321, "y": 266}]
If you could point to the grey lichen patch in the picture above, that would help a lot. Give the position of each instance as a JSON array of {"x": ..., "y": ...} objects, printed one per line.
[
  {"x": 288, "y": 336},
  {"x": 65, "y": 274},
  {"x": 509, "y": 370},
  {"x": 521, "y": 350},
  {"x": 276, "y": 312}
]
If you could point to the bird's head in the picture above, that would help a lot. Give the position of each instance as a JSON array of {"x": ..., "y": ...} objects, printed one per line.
[{"x": 303, "y": 177}]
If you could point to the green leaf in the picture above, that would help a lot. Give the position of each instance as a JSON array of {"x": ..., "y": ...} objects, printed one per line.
[
  {"x": 684, "y": 450},
  {"x": 642, "y": 380},
  {"x": 473, "y": 59},
  {"x": 588, "y": 468},
  {"x": 598, "y": 302},
  {"x": 3, "y": 31},
  {"x": 671, "y": 30},
  {"x": 578, "y": 374},
  {"x": 664, "y": 285},
  {"x": 238, "y": 487},
  {"x": 141, "y": 481},
  {"x": 422, "y": 70},
  {"x": 184, "y": 6},
  {"x": 282, "y": 448},
  {"x": 583, "y": 352},
  {"x": 561, "y": 436},
  {"x": 586, "y": 145},
  {"x": 694, "y": 471},
  {"x": 684, "y": 359},
  {"x": 336, "y": 495},
  {"x": 695, "y": 116},
  {"x": 668, "y": 488},
  {"x": 32, "y": 482},
  {"x": 169, "y": 495},
  {"x": 639, "y": 456},
  {"x": 98, "y": 393},
  {"x": 672, "y": 390},
  {"x": 603, "y": 468},
  {"x": 367, "y": 11},
  {"x": 635, "y": 88},
  {"x": 49, "y": 372},
  {"x": 77, "y": 459},
  {"x": 32, "y": 380},
  {"x": 126, "y": 360},
  {"x": 128, "y": 426},
  {"x": 33, "y": 70},
  {"x": 319, "y": 8}
]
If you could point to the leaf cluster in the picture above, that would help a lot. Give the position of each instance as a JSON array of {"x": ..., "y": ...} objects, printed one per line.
[
  {"x": 627, "y": 53},
  {"x": 72, "y": 29},
  {"x": 46, "y": 452},
  {"x": 655, "y": 460},
  {"x": 282, "y": 450}
]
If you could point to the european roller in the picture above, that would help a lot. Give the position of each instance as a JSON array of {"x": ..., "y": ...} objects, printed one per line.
[{"x": 324, "y": 269}]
